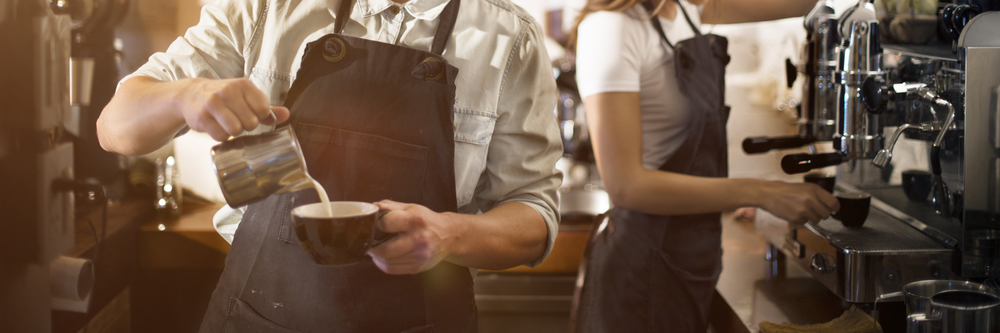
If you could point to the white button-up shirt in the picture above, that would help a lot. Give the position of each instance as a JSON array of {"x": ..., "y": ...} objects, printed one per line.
[{"x": 506, "y": 138}]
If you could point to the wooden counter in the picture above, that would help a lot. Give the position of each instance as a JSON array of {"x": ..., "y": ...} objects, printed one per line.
[{"x": 187, "y": 254}]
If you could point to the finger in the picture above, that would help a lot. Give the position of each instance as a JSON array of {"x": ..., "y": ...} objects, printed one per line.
[
  {"x": 257, "y": 104},
  {"x": 403, "y": 269},
  {"x": 397, "y": 269},
  {"x": 811, "y": 210},
  {"x": 397, "y": 220},
  {"x": 830, "y": 201},
  {"x": 213, "y": 129},
  {"x": 226, "y": 119},
  {"x": 820, "y": 211},
  {"x": 400, "y": 246},
  {"x": 390, "y": 205},
  {"x": 256, "y": 99},
  {"x": 244, "y": 113}
]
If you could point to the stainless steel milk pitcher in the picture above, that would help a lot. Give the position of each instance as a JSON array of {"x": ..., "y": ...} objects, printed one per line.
[{"x": 253, "y": 167}]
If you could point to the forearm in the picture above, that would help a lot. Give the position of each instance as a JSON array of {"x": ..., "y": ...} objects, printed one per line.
[
  {"x": 743, "y": 11},
  {"x": 508, "y": 235},
  {"x": 141, "y": 117},
  {"x": 666, "y": 193}
]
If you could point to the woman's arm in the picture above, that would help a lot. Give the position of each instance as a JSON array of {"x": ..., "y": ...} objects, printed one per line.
[
  {"x": 616, "y": 131},
  {"x": 743, "y": 11}
]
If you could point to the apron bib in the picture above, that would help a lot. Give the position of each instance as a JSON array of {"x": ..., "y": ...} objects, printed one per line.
[
  {"x": 656, "y": 273},
  {"x": 375, "y": 122}
]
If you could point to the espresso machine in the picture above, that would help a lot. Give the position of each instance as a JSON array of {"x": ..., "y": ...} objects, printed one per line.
[{"x": 923, "y": 109}]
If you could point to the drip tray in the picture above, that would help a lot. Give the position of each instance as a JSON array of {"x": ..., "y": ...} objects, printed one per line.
[
  {"x": 860, "y": 264},
  {"x": 880, "y": 233}
]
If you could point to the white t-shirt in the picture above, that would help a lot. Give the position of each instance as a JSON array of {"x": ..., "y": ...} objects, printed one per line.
[{"x": 622, "y": 52}]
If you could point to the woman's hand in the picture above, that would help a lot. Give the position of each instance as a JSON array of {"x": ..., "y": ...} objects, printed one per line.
[
  {"x": 797, "y": 203},
  {"x": 423, "y": 240},
  {"x": 225, "y": 108}
]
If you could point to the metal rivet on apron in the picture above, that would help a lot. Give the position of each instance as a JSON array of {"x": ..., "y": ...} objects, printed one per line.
[
  {"x": 430, "y": 69},
  {"x": 334, "y": 49},
  {"x": 394, "y": 10}
]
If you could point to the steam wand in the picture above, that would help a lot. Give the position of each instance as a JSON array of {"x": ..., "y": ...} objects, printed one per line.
[{"x": 876, "y": 98}]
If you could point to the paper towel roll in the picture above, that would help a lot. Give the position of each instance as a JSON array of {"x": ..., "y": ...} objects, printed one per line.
[{"x": 71, "y": 281}]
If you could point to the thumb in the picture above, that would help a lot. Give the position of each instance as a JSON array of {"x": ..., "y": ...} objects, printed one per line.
[{"x": 281, "y": 114}]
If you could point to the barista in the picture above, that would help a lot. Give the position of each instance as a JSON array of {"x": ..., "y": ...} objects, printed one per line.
[
  {"x": 653, "y": 88},
  {"x": 444, "y": 107}
]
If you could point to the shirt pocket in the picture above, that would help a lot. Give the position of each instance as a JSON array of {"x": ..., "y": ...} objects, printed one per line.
[
  {"x": 473, "y": 132},
  {"x": 274, "y": 84}
]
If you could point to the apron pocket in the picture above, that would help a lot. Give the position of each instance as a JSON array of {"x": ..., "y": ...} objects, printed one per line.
[
  {"x": 365, "y": 167},
  {"x": 243, "y": 318}
]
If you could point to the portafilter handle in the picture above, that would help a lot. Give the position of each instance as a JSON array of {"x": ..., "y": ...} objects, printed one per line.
[
  {"x": 799, "y": 163},
  {"x": 763, "y": 144}
]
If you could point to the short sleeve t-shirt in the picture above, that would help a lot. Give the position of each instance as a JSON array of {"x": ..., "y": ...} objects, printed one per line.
[{"x": 622, "y": 52}]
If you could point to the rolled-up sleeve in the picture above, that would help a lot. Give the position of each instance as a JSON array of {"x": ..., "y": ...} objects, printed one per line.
[
  {"x": 526, "y": 144},
  {"x": 214, "y": 48}
]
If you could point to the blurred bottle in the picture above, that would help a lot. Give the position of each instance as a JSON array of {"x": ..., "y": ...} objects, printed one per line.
[{"x": 169, "y": 195}]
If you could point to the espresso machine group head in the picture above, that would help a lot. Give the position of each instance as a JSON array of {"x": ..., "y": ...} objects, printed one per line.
[
  {"x": 816, "y": 120},
  {"x": 859, "y": 134}
]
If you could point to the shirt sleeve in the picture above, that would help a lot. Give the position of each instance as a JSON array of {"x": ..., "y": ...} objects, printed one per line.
[
  {"x": 607, "y": 54},
  {"x": 214, "y": 48},
  {"x": 520, "y": 164}
]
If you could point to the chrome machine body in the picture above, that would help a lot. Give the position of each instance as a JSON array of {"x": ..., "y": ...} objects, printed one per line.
[{"x": 941, "y": 108}]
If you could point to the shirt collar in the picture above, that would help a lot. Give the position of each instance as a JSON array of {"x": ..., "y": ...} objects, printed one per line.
[{"x": 420, "y": 9}]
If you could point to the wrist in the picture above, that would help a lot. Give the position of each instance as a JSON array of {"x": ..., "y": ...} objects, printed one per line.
[
  {"x": 181, "y": 94},
  {"x": 453, "y": 232},
  {"x": 754, "y": 191}
]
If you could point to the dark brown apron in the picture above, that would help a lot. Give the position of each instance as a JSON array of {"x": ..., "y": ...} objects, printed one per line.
[
  {"x": 656, "y": 273},
  {"x": 375, "y": 122}
]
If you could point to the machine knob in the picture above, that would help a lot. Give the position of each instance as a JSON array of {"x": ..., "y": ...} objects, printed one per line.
[
  {"x": 799, "y": 163},
  {"x": 823, "y": 263},
  {"x": 762, "y": 144},
  {"x": 875, "y": 97}
]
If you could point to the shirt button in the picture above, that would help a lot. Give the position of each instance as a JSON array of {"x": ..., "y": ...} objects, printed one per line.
[
  {"x": 283, "y": 95},
  {"x": 394, "y": 10}
]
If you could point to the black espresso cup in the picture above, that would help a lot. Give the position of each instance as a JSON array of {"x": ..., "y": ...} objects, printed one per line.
[
  {"x": 823, "y": 179},
  {"x": 917, "y": 184},
  {"x": 853, "y": 208},
  {"x": 343, "y": 238}
]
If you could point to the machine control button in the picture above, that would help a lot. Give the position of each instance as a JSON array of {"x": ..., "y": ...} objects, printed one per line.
[{"x": 823, "y": 263}]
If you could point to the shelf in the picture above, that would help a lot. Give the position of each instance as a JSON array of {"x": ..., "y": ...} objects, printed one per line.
[{"x": 934, "y": 50}]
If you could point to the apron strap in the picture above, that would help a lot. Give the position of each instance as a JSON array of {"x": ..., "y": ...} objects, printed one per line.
[
  {"x": 343, "y": 15},
  {"x": 659, "y": 27},
  {"x": 688, "y": 19},
  {"x": 446, "y": 24}
]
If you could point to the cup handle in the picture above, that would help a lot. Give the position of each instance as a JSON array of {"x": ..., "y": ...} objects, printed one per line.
[{"x": 380, "y": 236}]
